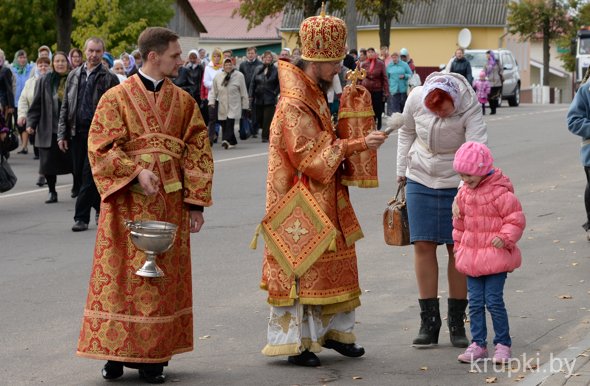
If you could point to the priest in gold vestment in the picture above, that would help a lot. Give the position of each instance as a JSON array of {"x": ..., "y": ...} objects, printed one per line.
[
  {"x": 317, "y": 309},
  {"x": 151, "y": 160}
]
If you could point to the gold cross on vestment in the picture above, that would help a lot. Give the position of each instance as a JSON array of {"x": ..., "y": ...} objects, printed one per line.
[
  {"x": 355, "y": 75},
  {"x": 297, "y": 231}
]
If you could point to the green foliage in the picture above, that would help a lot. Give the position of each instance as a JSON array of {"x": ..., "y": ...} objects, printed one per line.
[
  {"x": 118, "y": 22},
  {"x": 531, "y": 18},
  {"x": 27, "y": 24},
  {"x": 255, "y": 11},
  {"x": 579, "y": 18}
]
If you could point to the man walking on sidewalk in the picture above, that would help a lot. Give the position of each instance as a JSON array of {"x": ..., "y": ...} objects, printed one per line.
[{"x": 84, "y": 87}]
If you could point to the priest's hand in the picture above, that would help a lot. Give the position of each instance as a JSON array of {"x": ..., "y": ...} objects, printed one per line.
[
  {"x": 148, "y": 181},
  {"x": 197, "y": 221},
  {"x": 374, "y": 139}
]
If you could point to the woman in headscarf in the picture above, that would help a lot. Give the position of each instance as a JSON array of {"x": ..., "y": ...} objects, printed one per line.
[
  {"x": 26, "y": 100},
  {"x": 438, "y": 118},
  {"x": 75, "y": 58},
  {"x": 494, "y": 75},
  {"x": 376, "y": 82},
  {"x": 229, "y": 90},
  {"x": 213, "y": 68},
  {"x": 129, "y": 63},
  {"x": 42, "y": 119}
]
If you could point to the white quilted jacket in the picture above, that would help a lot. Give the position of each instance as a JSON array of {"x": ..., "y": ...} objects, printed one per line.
[{"x": 427, "y": 144}]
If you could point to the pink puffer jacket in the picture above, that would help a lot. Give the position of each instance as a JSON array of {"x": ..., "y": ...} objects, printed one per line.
[{"x": 489, "y": 210}]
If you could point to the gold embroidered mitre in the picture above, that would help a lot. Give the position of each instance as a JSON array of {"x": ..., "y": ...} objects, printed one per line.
[{"x": 323, "y": 38}]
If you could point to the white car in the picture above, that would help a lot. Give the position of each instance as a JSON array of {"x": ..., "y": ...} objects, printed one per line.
[{"x": 511, "y": 85}]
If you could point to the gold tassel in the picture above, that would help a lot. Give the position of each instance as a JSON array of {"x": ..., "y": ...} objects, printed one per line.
[
  {"x": 293, "y": 294},
  {"x": 332, "y": 247},
  {"x": 254, "y": 242}
]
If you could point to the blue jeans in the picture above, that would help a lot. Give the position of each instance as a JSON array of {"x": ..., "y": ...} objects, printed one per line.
[{"x": 488, "y": 291}]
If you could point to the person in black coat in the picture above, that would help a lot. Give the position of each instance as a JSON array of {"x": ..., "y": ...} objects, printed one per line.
[
  {"x": 190, "y": 76},
  {"x": 248, "y": 68},
  {"x": 263, "y": 92},
  {"x": 460, "y": 65}
]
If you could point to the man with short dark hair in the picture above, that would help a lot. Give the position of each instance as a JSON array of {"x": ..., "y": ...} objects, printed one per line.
[
  {"x": 247, "y": 67},
  {"x": 84, "y": 87},
  {"x": 149, "y": 152}
]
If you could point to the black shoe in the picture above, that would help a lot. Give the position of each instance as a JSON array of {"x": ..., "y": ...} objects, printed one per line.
[
  {"x": 74, "y": 193},
  {"x": 80, "y": 226},
  {"x": 41, "y": 181},
  {"x": 112, "y": 370},
  {"x": 96, "y": 216},
  {"x": 306, "y": 358},
  {"x": 23, "y": 151},
  {"x": 254, "y": 136},
  {"x": 264, "y": 140},
  {"x": 352, "y": 350},
  {"x": 52, "y": 198},
  {"x": 225, "y": 145},
  {"x": 152, "y": 374},
  {"x": 36, "y": 156}
]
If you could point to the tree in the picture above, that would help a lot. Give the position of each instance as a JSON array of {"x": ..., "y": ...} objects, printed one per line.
[
  {"x": 255, "y": 11},
  {"x": 63, "y": 16},
  {"x": 26, "y": 24},
  {"x": 579, "y": 16},
  {"x": 118, "y": 22},
  {"x": 386, "y": 10},
  {"x": 545, "y": 18}
]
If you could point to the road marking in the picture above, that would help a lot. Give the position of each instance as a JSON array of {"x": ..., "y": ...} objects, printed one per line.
[
  {"x": 62, "y": 187},
  {"x": 527, "y": 113}
]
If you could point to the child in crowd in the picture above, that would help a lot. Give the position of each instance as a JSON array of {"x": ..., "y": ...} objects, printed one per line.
[
  {"x": 489, "y": 223},
  {"x": 482, "y": 89}
]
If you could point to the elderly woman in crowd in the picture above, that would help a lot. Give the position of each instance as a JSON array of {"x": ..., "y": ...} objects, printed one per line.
[
  {"x": 129, "y": 64},
  {"x": 229, "y": 90},
  {"x": 42, "y": 119},
  {"x": 264, "y": 90},
  {"x": 438, "y": 118}
]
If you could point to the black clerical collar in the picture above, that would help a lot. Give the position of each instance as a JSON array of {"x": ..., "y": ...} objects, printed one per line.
[{"x": 150, "y": 83}]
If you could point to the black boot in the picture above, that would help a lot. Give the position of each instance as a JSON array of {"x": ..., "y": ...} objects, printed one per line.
[
  {"x": 430, "y": 326},
  {"x": 306, "y": 358},
  {"x": 456, "y": 322},
  {"x": 112, "y": 370}
]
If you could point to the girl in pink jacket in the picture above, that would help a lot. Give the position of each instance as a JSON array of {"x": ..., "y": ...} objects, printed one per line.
[{"x": 485, "y": 233}]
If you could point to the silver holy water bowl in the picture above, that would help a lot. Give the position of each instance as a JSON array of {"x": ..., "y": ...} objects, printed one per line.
[{"x": 153, "y": 238}]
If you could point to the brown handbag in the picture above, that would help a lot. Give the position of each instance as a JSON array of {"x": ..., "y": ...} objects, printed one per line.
[{"x": 396, "y": 228}]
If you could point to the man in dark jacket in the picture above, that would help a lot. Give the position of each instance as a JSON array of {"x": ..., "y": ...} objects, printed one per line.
[
  {"x": 84, "y": 87},
  {"x": 6, "y": 89},
  {"x": 461, "y": 65},
  {"x": 247, "y": 68}
]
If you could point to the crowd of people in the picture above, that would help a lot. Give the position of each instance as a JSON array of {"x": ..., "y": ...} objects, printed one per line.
[{"x": 133, "y": 142}]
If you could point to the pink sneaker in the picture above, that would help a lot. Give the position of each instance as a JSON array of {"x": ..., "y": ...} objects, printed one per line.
[
  {"x": 502, "y": 354},
  {"x": 473, "y": 354}
]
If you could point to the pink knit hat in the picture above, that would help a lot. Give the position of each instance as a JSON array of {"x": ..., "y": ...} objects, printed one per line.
[{"x": 474, "y": 159}]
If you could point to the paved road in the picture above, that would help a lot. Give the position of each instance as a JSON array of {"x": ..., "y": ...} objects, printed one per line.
[{"x": 44, "y": 271}]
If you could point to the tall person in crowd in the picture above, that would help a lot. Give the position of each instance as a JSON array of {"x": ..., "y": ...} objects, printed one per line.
[
  {"x": 376, "y": 82},
  {"x": 398, "y": 74},
  {"x": 263, "y": 92},
  {"x": 151, "y": 158},
  {"x": 460, "y": 65},
  {"x": 190, "y": 76},
  {"x": 84, "y": 88},
  {"x": 6, "y": 90},
  {"x": 213, "y": 68},
  {"x": 578, "y": 123},
  {"x": 43, "y": 66},
  {"x": 21, "y": 71},
  {"x": 494, "y": 74},
  {"x": 438, "y": 118},
  {"x": 43, "y": 119},
  {"x": 248, "y": 67},
  {"x": 229, "y": 90},
  {"x": 318, "y": 308}
]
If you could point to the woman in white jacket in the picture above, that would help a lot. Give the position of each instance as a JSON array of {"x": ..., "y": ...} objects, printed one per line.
[
  {"x": 230, "y": 92},
  {"x": 438, "y": 118}
]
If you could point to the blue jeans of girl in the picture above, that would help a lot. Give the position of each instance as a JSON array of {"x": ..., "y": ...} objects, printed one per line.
[{"x": 488, "y": 292}]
